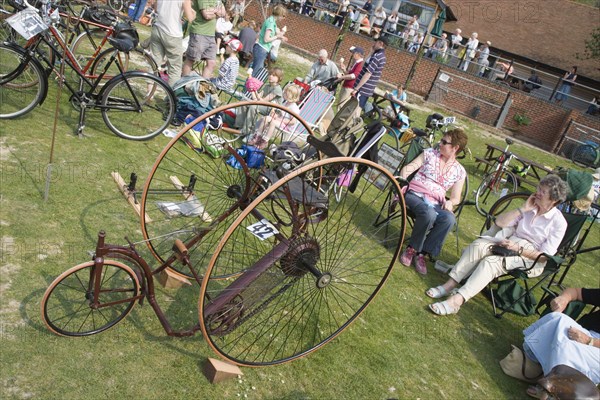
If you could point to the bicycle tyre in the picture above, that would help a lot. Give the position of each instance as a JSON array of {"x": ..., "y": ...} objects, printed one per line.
[
  {"x": 136, "y": 60},
  {"x": 137, "y": 105},
  {"x": 85, "y": 44},
  {"x": 20, "y": 91},
  {"x": 513, "y": 200},
  {"x": 66, "y": 309},
  {"x": 218, "y": 192},
  {"x": 116, "y": 5},
  {"x": 584, "y": 155},
  {"x": 492, "y": 188},
  {"x": 303, "y": 285}
]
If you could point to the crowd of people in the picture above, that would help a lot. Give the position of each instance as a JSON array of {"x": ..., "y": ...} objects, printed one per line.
[{"x": 436, "y": 175}]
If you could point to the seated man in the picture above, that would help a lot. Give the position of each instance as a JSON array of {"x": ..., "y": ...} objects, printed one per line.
[
  {"x": 437, "y": 171},
  {"x": 322, "y": 69},
  {"x": 534, "y": 229},
  {"x": 557, "y": 339}
]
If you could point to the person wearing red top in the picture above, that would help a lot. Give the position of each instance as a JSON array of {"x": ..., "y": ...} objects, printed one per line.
[{"x": 349, "y": 77}]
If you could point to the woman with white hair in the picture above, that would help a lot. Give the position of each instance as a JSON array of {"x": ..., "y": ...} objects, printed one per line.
[
  {"x": 470, "y": 50},
  {"x": 534, "y": 229}
]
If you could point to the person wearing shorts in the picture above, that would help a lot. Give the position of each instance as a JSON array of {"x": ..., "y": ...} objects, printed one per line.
[{"x": 202, "y": 45}]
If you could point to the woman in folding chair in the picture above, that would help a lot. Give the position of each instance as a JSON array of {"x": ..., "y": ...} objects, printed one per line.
[
  {"x": 437, "y": 171},
  {"x": 531, "y": 231}
]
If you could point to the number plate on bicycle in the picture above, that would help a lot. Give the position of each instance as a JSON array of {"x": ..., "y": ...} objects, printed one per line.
[
  {"x": 449, "y": 120},
  {"x": 27, "y": 23},
  {"x": 263, "y": 229}
]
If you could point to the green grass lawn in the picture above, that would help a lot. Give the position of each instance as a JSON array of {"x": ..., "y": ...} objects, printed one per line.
[{"x": 395, "y": 349}]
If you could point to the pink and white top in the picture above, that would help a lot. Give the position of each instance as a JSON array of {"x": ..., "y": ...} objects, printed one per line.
[{"x": 433, "y": 182}]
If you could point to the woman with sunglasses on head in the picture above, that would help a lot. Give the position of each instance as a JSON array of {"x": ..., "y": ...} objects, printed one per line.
[
  {"x": 534, "y": 229},
  {"x": 436, "y": 171}
]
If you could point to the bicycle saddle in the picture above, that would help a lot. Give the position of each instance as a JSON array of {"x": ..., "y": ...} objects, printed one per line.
[
  {"x": 509, "y": 141},
  {"x": 419, "y": 132},
  {"x": 124, "y": 44}
]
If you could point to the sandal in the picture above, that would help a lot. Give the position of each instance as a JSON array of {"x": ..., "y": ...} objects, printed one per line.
[
  {"x": 443, "y": 308},
  {"x": 436, "y": 292}
]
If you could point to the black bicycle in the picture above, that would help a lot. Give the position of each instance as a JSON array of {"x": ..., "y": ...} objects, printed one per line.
[{"x": 135, "y": 105}]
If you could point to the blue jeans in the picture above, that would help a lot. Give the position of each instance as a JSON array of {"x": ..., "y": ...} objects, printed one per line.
[
  {"x": 140, "y": 7},
  {"x": 258, "y": 62},
  {"x": 431, "y": 226}
]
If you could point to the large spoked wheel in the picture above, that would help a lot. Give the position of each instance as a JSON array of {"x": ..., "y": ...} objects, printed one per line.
[
  {"x": 137, "y": 105},
  {"x": 511, "y": 201},
  {"x": 67, "y": 304},
  {"x": 585, "y": 155},
  {"x": 193, "y": 193},
  {"x": 494, "y": 186},
  {"x": 308, "y": 265},
  {"x": 22, "y": 87}
]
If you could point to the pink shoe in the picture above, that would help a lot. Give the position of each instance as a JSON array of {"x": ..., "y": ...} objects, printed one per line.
[
  {"x": 421, "y": 265},
  {"x": 407, "y": 257}
]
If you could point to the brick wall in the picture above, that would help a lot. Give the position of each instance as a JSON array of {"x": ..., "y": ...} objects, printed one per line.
[{"x": 548, "y": 121}]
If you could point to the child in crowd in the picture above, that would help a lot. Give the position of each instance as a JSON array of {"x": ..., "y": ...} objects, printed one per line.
[
  {"x": 230, "y": 67},
  {"x": 278, "y": 118}
]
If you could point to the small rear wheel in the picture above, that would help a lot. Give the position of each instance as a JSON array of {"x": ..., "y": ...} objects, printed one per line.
[
  {"x": 137, "y": 105},
  {"x": 67, "y": 304},
  {"x": 493, "y": 187}
]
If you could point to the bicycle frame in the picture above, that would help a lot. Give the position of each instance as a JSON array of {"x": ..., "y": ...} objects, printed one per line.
[{"x": 129, "y": 253}]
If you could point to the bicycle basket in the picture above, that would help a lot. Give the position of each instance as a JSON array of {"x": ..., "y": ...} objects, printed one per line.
[
  {"x": 125, "y": 30},
  {"x": 99, "y": 16},
  {"x": 27, "y": 23}
]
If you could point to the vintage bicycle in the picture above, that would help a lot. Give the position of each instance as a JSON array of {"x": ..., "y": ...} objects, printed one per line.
[
  {"x": 283, "y": 268},
  {"x": 134, "y": 105},
  {"x": 499, "y": 182}
]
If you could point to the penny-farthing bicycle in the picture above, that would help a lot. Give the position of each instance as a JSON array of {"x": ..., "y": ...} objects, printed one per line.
[{"x": 283, "y": 267}]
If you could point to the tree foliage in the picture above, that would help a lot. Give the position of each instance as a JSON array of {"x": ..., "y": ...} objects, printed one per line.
[{"x": 592, "y": 47}]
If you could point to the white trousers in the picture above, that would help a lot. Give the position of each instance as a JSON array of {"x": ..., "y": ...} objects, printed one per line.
[{"x": 478, "y": 263}]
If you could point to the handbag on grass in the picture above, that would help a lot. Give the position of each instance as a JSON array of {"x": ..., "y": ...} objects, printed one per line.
[{"x": 517, "y": 365}]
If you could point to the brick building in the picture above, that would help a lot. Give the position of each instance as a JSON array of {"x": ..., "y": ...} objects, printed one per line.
[{"x": 551, "y": 126}]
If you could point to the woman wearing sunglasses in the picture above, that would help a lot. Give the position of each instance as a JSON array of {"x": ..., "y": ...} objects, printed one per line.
[{"x": 436, "y": 171}]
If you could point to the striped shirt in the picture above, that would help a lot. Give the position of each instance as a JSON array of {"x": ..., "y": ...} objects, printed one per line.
[
  {"x": 227, "y": 73},
  {"x": 374, "y": 64}
]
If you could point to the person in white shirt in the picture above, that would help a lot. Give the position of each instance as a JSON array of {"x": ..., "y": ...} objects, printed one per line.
[
  {"x": 322, "y": 69},
  {"x": 470, "y": 50},
  {"x": 455, "y": 42}
]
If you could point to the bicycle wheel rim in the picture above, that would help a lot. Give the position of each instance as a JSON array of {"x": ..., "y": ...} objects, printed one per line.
[
  {"x": 137, "y": 106},
  {"x": 20, "y": 93},
  {"x": 66, "y": 308},
  {"x": 285, "y": 311},
  {"x": 219, "y": 192},
  {"x": 492, "y": 188}
]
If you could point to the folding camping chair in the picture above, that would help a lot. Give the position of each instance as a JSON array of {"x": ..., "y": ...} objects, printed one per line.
[
  {"x": 240, "y": 92},
  {"x": 312, "y": 110},
  {"x": 553, "y": 264},
  {"x": 389, "y": 211}
]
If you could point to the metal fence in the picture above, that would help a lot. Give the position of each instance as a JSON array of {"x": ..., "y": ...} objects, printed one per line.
[{"x": 575, "y": 135}]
